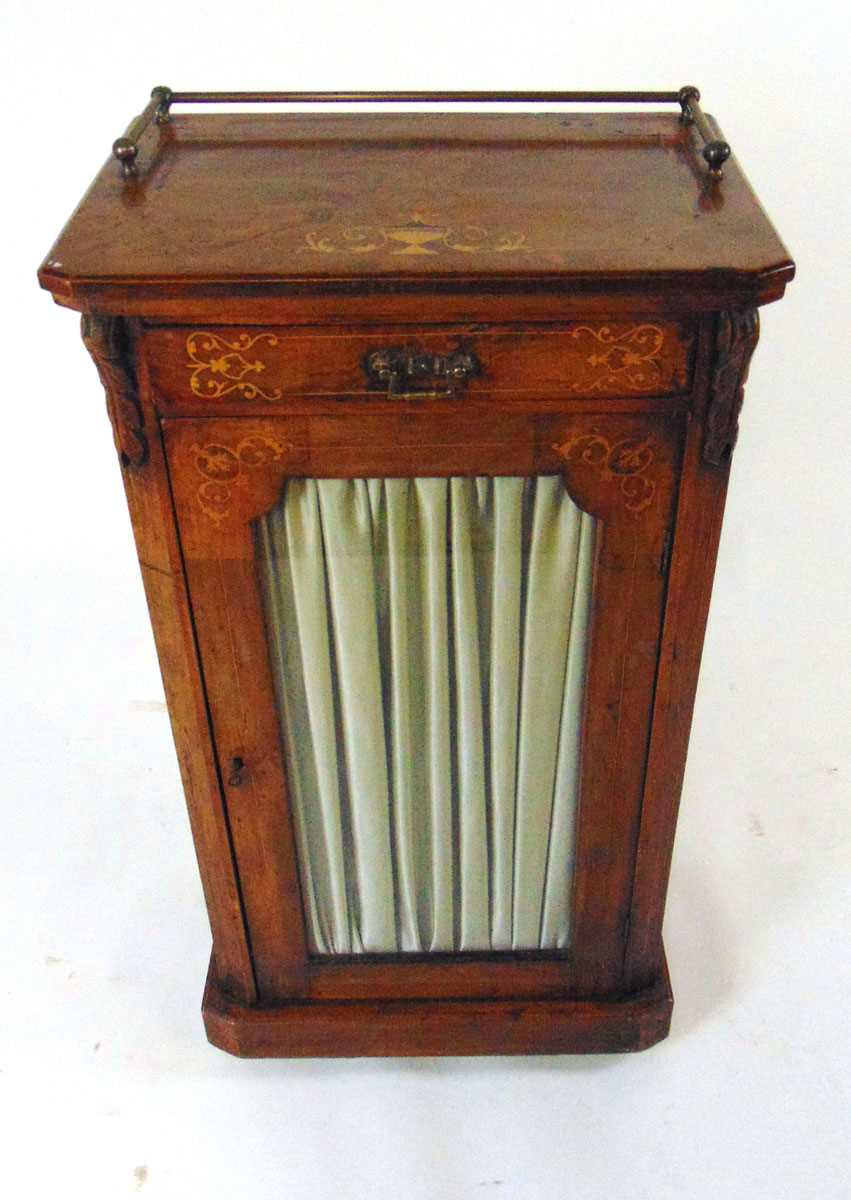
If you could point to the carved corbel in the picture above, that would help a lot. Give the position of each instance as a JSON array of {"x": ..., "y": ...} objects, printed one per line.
[
  {"x": 737, "y": 333},
  {"x": 107, "y": 342}
]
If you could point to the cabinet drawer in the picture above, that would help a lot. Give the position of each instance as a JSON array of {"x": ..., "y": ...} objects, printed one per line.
[{"x": 215, "y": 369}]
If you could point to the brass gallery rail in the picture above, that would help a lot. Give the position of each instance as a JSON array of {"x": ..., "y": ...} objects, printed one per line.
[{"x": 158, "y": 109}]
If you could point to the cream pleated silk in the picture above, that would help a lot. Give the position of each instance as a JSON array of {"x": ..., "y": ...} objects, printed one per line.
[{"x": 429, "y": 645}]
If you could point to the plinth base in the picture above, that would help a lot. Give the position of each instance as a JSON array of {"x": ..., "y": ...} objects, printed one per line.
[{"x": 361, "y": 1028}]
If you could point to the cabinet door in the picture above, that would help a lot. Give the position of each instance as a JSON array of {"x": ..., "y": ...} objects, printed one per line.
[{"x": 429, "y": 640}]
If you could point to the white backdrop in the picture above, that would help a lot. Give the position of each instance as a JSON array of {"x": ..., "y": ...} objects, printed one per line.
[{"x": 107, "y": 1087}]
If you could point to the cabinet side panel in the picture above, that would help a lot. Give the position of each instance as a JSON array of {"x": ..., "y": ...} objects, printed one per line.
[
  {"x": 151, "y": 512},
  {"x": 697, "y": 533}
]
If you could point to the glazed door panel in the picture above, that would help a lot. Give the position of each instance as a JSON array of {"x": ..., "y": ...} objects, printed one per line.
[
  {"x": 412, "y": 834},
  {"x": 429, "y": 641}
]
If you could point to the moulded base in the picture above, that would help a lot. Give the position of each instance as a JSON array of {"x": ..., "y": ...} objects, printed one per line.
[{"x": 361, "y": 1028}]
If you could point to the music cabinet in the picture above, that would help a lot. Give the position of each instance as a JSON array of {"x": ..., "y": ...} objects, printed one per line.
[{"x": 425, "y": 423}]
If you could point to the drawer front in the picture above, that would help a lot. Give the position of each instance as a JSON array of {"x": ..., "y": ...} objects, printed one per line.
[{"x": 218, "y": 369}]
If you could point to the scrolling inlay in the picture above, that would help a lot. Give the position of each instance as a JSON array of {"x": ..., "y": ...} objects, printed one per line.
[
  {"x": 221, "y": 467},
  {"x": 736, "y": 337},
  {"x": 620, "y": 359},
  {"x": 418, "y": 236},
  {"x": 218, "y": 366},
  {"x": 625, "y": 461},
  {"x": 107, "y": 342}
]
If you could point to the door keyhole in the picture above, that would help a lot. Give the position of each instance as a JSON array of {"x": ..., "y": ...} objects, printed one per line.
[{"x": 237, "y": 772}]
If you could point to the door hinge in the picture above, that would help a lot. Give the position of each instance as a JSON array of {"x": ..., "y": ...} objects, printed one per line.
[{"x": 665, "y": 556}]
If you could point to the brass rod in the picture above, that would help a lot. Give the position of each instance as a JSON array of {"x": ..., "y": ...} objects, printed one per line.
[
  {"x": 424, "y": 97},
  {"x": 715, "y": 150},
  {"x": 126, "y": 148}
]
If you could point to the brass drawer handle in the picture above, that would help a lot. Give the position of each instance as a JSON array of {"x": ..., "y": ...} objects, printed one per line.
[{"x": 409, "y": 372}]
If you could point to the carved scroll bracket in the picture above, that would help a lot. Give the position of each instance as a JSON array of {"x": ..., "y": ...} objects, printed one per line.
[
  {"x": 106, "y": 340},
  {"x": 736, "y": 337}
]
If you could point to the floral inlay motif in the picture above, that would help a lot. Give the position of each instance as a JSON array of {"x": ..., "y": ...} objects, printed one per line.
[
  {"x": 421, "y": 234},
  {"x": 222, "y": 467},
  {"x": 220, "y": 366},
  {"x": 628, "y": 358},
  {"x": 625, "y": 461}
]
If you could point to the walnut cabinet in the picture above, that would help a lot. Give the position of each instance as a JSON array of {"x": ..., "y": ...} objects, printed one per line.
[{"x": 425, "y": 422}]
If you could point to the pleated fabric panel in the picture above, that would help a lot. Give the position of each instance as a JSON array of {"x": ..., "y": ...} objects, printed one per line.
[{"x": 429, "y": 642}]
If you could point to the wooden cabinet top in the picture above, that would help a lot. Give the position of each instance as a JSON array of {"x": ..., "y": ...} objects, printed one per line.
[{"x": 260, "y": 203}]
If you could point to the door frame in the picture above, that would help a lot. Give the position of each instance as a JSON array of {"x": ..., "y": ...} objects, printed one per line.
[{"x": 622, "y": 468}]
